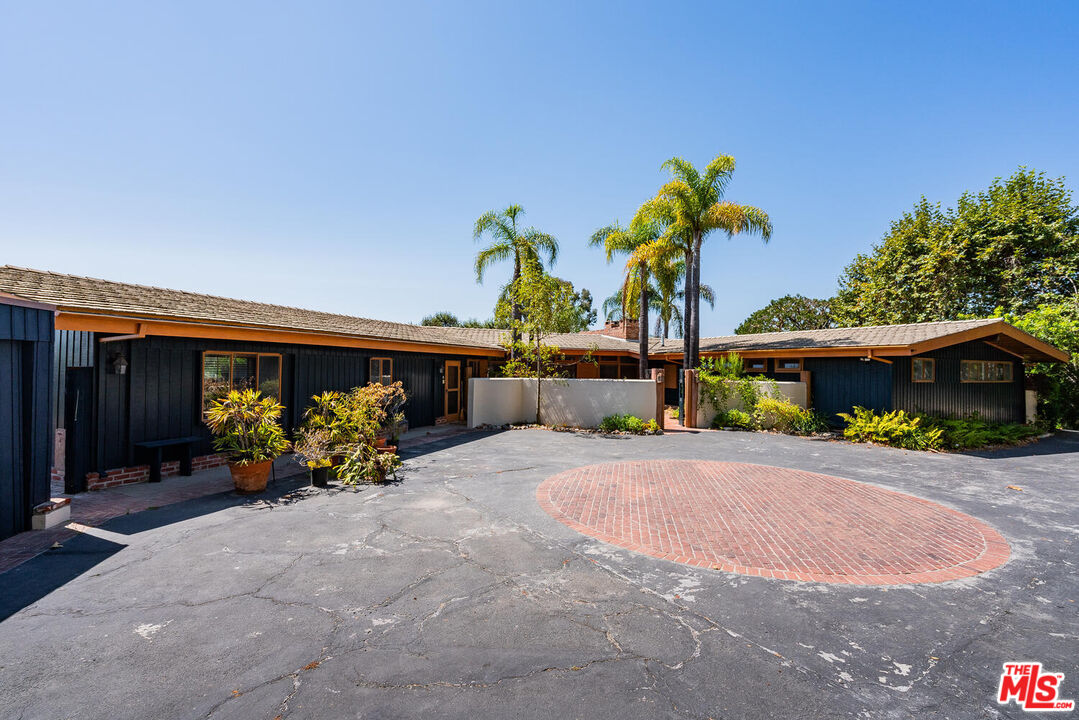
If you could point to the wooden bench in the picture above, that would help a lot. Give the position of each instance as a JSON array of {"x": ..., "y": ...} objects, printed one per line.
[{"x": 155, "y": 449}]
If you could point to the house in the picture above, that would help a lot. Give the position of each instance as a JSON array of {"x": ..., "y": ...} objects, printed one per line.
[{"x": 135, "y": 364}]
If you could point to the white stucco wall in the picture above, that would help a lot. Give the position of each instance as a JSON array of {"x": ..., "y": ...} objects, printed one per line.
[
  {"x": 577, "y": 403},
  {"x": 792, "y": 391}
]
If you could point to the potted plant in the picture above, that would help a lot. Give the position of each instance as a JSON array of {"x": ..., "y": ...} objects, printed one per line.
[
  {"x": 314, "y": 448},
  {"x": 368, "y": 464},
  {"x": 386, "y": 402},
  {"x": 247, "y": 430}
]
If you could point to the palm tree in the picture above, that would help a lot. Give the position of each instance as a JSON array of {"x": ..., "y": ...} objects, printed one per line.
[
  {"x": 527, "y": 248},
  {"x": 689, "y": 207},
  {"x": 638, "y": 243},
  {"x": 666, "y": 296}
]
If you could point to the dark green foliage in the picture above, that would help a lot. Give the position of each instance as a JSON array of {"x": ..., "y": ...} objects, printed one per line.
[
  {"x": 894, "y": 428},
  {"x": 924, "y": 432},
  {"x": 629, "y": 424},
  {"x": 1057, "y": 383},
  {"x": 441, "y": 319},
  {"x": 790, "y": 312},
  {"x": 1013, "y": 246},
  {"x": 733, "y": 419}
]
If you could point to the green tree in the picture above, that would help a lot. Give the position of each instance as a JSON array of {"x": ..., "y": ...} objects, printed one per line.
[
  {"x": 790, "y": 312},
  {"x": 441, "y": 319},
  {"x": 1014, "y": 246},
  {"x": 690, "y": 207},
  {"x": 639, "y": 245},
  {"x": 575, "y": 317},
  {"x": 547, "y": 304},
  {"x": 526, "y": 248},
  {"x": 667, "y": 295},
  {"x": 1057, "y": 383}
]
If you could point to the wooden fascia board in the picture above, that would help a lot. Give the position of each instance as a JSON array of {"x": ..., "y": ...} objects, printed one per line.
[
  {"x": 992, "y": 330},
  {"x": 9, "y": 299},
  {"x": 67, "y": 320}
]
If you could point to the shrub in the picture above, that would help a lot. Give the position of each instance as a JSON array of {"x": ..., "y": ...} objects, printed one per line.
[
  {"x": 246, "y": 427},
  {"x": 973, "y": 432},
  {"x": 776, "y": 414},
  {"x": 629, "y": 424},
  {"x": 733, "y": 418},
  {"x": 809, "y": 422},
  {"x": 894, "y": 428},
  {"x": 366, "y": 464}
]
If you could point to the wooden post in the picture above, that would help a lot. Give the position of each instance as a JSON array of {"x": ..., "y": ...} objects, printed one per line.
[
  {"x": 657, "y": 378},
  {"x": 690, "y": 390}
]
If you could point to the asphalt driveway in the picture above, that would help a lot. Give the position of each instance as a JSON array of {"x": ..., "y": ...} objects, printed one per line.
[{"x": 454, "y": 595}]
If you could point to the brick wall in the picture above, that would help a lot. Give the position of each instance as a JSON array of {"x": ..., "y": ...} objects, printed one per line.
[{"x": 141, "y": 473}]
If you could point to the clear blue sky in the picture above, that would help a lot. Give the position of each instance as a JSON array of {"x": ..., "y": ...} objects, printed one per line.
[{"x": 335, "y": 156}]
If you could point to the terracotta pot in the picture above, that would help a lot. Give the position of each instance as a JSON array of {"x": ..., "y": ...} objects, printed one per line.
[
  {"x": 388, "y": 449},
  {"x": 251, "y": 478},
  {"x": 381, "y": 440}
]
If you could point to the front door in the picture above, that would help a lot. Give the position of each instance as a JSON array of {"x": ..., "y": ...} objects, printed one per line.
[{"x": 452, "y": 393}]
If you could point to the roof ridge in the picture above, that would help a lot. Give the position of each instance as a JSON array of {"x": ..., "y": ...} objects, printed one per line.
[{"x": 210, "y": 295}]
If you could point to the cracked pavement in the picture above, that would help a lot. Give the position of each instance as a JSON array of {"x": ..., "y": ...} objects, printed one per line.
[{"x": 452, "y": 594}]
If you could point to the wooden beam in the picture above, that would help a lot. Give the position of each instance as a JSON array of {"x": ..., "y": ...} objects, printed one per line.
[
  {"x": 129, "y": 326},
  {"x": 878, "y": 359}
]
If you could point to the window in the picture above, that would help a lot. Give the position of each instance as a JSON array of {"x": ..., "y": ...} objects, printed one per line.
[
  {"x": 923, "y": 370},
  {"x": 788, "y": 365},
  {"x": 225, "y": 371},
  {"x": 755, "y": 365},
  {"x": 381, "y": 371},
  {"x": 985, "y": 371}
]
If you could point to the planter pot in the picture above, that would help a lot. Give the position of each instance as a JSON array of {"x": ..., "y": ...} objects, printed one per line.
[
  {"x": 320, "y": 476},
  {"x": 251, "y": 478},
  {"x": 381, "y": 440}
]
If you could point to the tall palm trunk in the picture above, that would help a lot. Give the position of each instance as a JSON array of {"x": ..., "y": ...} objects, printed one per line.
[
  {"x": 687, "y": 322},
  {"x": 696, "y": 300},
  {"x": 642, "y": 322},
  {"x": 515, "y": 305}
]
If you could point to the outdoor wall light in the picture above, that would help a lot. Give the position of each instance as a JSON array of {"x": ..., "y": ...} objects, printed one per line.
[{"x": 118, "y": 364}]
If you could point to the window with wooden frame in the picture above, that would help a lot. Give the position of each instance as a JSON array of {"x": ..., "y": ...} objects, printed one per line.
[
  {"x": 755, "y": 365},
  {"x": 225, "y": 371},
  {"x": 381, "y": 371},
  {"x": 788, "y": 365},
  {"x": 923, "y": 370},
  {"x": 986, "y": 371}
]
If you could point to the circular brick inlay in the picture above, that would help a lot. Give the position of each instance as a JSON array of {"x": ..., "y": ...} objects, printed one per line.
[{"x": 771, "y": 522}]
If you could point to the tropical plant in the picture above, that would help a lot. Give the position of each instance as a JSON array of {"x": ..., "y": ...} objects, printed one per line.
[
  {"x": 667, "y": 295},
  {"x": 314, "y": 447},
  {"x": 639, "y": 245},
  {"x": 688, "y": 208},
  {"x": 777, "y": 413},
  {"x": 526, "y": 248},
  {"x": 330, "y": 411},
  {"x": 895, "y": 428},
  {"x": 790, "y": 312},
  {"x": 366, "y": 464},
  {"x": 246, "y": 427},
  {"x": 385, "y": 401},
  {"x": 973, "y": 432}
]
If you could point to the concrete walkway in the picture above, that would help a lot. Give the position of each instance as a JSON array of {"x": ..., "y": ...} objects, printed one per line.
[
  {"x": 91, "y": 509},
  {"x": 452, "y": 594}
]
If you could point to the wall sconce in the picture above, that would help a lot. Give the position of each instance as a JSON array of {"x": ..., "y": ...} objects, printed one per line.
[{"x": 118, "y": 364}]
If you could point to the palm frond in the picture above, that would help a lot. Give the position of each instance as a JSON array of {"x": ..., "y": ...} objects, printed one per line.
[
  {"x": 489, "y": 256},
  {"x": 735, "y": 218}
]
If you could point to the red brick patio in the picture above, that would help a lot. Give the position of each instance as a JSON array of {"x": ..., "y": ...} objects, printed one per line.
[{"x": 771, "y": 522}]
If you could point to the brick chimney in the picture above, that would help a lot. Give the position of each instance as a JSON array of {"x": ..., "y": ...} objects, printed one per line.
[{"x": 625, "y": 329}]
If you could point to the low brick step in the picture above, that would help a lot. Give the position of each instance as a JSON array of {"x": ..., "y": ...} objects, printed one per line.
[{"x": 55, "y": 511}]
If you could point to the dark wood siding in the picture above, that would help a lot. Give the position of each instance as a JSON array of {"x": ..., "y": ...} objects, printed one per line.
[
  {"x": 71, "y": 349},
  {"x": 160, "y": 396},
  {"x": 838, "y": 384},
  {"x": 948, "y": 397},
  {"x": 26, "y": 341}
]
